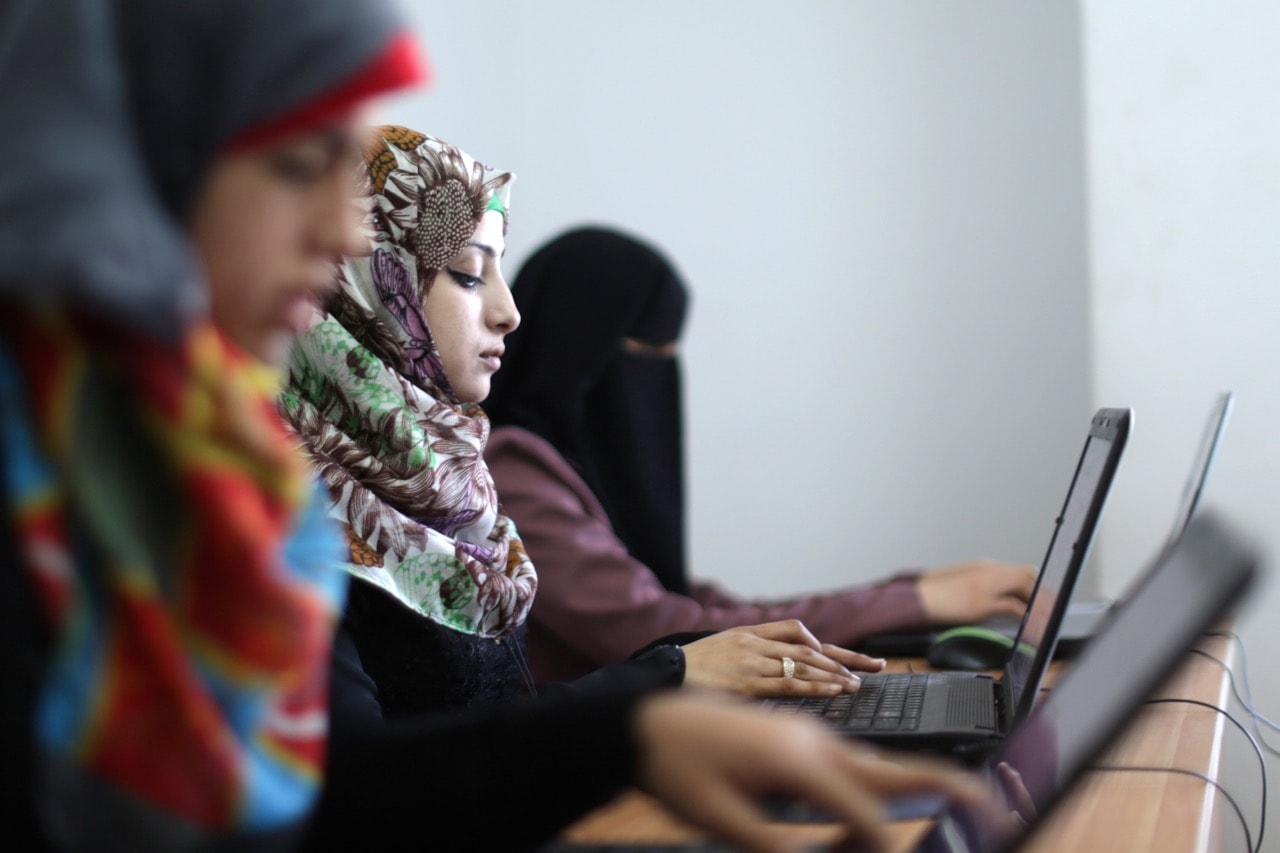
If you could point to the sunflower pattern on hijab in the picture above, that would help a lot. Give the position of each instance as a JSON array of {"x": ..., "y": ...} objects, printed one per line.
[{"x": 368, "y": 395}]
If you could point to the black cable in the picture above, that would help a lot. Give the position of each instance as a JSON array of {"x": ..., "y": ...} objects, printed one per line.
[
  {"x": 1248, "y": 839},
  {"x": 1262, "y": 762}
]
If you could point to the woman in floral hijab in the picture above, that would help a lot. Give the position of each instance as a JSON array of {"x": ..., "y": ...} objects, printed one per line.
[
  {"x": 445, "y": 580},
  {"x": 389, "y": 414}
]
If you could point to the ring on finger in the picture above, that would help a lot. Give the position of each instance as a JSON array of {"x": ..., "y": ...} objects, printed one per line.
[{"x": 788, "y": 668}]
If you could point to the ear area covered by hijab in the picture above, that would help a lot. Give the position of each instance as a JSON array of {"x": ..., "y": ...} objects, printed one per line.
[
  {"x": 368, "y": 395},
  {"x": 162, "y": 514}
]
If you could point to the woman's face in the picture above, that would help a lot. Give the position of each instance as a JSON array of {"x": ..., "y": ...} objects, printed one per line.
[
  {"x": 268, "y": 224},
  {"x": 469, "y": 310}
]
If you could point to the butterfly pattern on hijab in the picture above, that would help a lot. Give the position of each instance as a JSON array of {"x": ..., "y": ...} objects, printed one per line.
[{"x": 368, "y": 395}]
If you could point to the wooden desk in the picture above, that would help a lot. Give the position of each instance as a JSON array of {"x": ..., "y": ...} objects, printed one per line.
[
  {"x": 1112, "y": 810},
  {"x": 1109, "y": 810}
]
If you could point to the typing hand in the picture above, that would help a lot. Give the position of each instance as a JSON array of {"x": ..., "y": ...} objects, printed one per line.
[
  {"x": 774, "y": 659},
  {"x": 714, "y": 763}
]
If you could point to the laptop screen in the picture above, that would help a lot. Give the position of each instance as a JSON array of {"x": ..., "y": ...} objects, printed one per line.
[
  {"x": 1189, "y": 588},
  {"x": 1200, "y": 464},
  {"x": 1068, "y": 548}
]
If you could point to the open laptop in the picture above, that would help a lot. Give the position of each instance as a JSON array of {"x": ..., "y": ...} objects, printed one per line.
[
  {"x": 1082, "y": 617},
  {"x": 964, "y": 712},
  {"x": 1188, "y": 588}
]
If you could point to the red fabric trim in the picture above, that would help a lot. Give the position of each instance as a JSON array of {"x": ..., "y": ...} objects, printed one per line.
[{"x": 402, "y": 63}]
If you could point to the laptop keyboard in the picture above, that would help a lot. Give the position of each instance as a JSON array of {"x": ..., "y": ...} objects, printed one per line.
[{"x": 883, "y": 703}]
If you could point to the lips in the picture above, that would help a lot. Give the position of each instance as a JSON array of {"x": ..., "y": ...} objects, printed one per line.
[{"x": 493, "y": 358}]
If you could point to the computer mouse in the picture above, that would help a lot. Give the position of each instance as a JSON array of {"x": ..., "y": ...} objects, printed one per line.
[{"x": 969, "y": 647}]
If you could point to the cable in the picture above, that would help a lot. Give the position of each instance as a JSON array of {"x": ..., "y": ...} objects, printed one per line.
[
  {"x": 1248, "y": 839},
  {"x": 1247, "y": 705},
  {"x": 1247, "y": 699},
  {"x": 1262, "y": 761}
]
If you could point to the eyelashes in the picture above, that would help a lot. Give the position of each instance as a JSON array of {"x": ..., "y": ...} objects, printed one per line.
[{"x": 465, "y": 280}]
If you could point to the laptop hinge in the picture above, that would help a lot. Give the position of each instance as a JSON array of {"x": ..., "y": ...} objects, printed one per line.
[{"x": 1004, "y": 704}]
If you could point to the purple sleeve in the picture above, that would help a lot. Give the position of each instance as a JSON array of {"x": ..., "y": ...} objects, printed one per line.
[{"x": 596, "y": 604}]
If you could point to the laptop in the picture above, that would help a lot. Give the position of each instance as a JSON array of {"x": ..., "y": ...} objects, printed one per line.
[
  {"x": 965, "y": 712},
  {"x": 1083, "y": 617},
  {"x": 1189, "y": 587}
]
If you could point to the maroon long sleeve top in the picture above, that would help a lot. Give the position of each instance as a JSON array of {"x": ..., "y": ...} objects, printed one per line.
[{"x": 597, "y": 605}]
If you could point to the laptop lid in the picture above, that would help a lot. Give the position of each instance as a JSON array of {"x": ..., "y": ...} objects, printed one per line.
[
  {"x": 1189, "y": 587},
  {"x": 1064, "y": 559},
  {"x": 916, "y": 643},
  {"x": 1205, "y": 451},
  {"x": 1083, "y": 618}
]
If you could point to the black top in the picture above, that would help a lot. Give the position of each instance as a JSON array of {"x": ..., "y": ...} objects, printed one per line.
[
  {"x": 503, "y": 778},
  {"x": 24, "y": 650},
  {"x": 418, "y": 666},
  {"x": 507, "y": 773}
]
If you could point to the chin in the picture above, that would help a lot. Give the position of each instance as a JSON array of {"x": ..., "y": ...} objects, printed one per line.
[{"x": 275, "y": 350}]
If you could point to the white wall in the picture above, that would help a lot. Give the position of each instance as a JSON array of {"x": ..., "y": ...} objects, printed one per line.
[
  {"x": 1184, "y": 184},
  {"x": 880, "y": 209}
]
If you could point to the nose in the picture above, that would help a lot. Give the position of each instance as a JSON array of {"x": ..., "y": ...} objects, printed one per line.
[
  {"x": 503, "y": 314},
  {"x": 349, "y": 219}
]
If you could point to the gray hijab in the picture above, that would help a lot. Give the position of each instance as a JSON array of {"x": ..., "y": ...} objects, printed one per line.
[{"x": 110, "y": 113}]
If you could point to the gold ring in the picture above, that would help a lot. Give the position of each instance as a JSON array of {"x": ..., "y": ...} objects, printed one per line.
[{"x": 788, "y": 668}]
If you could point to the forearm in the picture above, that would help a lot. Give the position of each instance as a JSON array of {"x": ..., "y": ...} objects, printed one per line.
[
  {"x": 596, "y": 604},
  {"x": 605, "y": 615}
]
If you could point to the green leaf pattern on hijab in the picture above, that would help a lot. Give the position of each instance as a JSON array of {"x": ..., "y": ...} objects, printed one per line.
[{"x": 402, "y": 457}]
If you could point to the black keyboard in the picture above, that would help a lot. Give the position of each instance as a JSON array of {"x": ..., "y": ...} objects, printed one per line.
[{"x": 884, "y": 702}]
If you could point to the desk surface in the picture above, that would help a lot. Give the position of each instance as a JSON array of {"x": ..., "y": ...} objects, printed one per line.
[{"x": 1109, "y": 810}]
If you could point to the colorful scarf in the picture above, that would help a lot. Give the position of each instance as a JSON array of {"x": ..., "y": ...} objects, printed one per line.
[
  {"x": 189, "y": 668},
  {"x": 161, "y": 515},
  {"x": 402, "y": 457}
]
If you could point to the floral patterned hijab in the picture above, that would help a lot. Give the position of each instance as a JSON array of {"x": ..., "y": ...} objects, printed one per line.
[{"x": 368, "y": 395}]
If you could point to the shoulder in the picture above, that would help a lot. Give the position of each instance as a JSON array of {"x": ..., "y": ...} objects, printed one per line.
[
  {"x": 506, "y": 440},
  {"x": 526, "y": 467},
  {"x": 513, "y": 448}
]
